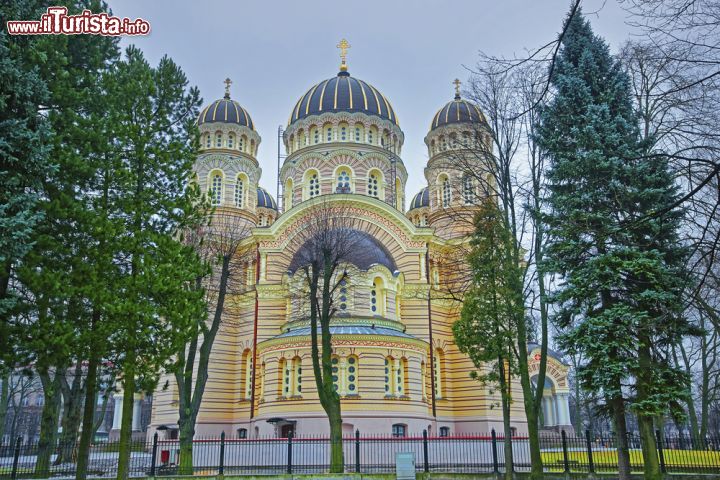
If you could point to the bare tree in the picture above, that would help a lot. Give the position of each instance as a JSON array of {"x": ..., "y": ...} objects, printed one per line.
[
  {"x": 328, "y": 244},
  {"x": 500, "y": 161},
  {"x": 226, "y": 247}
]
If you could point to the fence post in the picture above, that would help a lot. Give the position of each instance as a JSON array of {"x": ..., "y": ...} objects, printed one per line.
[
  {"x": 289, "y": 454},
  {"x": 357, "y": 451},
  {"x": 661, "y": 455},
  {"x": 16, "y": 457},
  {"x": 425, "y": 451},
  {"x": 221, "y": 467},
  {"x": 496, "y": 468},
  {"x": 565, "y": 451},
  {"x": 154, "y": 455},
  {"x": 591, "y": 464}
]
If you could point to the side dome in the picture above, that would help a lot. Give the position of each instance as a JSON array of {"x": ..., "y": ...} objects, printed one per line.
[
  {"x": 421, "y": 199},
  {"x": 265, "y": 200},
  {"x": 343, "y": 93},
  {"x": 457, "y": 111},
  {"x": 225, "y": 110}
]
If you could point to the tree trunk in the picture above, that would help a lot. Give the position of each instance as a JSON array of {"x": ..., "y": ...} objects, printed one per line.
[
  {"x": 617, "y": 405},
  {"x": 125, "y": 448},
  {"x": 529, "y": 401},
  {"x": 4, "y": 401},
  {"x": 48, "y": 422},
  {"x": 337, "y": 461},
  {"x": 505, "y": 399},
  {"x": 645, "y": 421},
  {"x": 649, "y": 448},
  {"x": 187, "y": 433},
  {"x": 72, "y": 409},
  {"x": 88, "y": 421}
]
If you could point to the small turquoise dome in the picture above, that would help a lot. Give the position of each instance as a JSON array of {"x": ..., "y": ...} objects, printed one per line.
[
  {"x": 265, "y": 200},
  {"x": 422, "y": 199}
]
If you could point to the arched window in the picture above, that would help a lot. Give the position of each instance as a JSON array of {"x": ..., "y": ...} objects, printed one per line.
[
  {"x": 284, "y": 368},
  {"x": 262, "y": 380},
  {"x": 241, "y": 143},
  {"x": 335, "y": 362},
  {"x": 315, "y": 132},
  {"x": 374, "y": 184},
  {"x": 437, "y": 366},
  {"x": 389, "y": 363},
  {"x": 377, "y": 297},
  {"x": 423, "y": 375},
  {"x": 288, "y": 194},
  {"x": 444, "y": 431},
  {"x": 423, "y": 220},
  {"x": 358, "y": 133},
  {"x": 252, "y": 147},
  {"x": 372, "y": 133},
  {"x": 400, "y": 376},
  {"x": 443, "y": 143},
  {"x": 343, "y": 304},
  {"x": 261, "y": 220},
  {"x": 208, "y": 140},
  {"x": 328, "y": 133},
  {"x": 231, "y": 140},
  {"x": 468, "y": 190},
  {"x": 216, "y": 188},
  {"x": 247, "y": 373},
  {"x": 218, "y": 140},
  {"x": 446, "y": 194},
  {"x": 353, "y": 364},
  {"x": 313, "y": 183},
  {"x": 242, "y": 433},
  {"x": 343, "y": 181},
  {"x": 239, "y": 192},
  {"x": 399, "y": 430},
  {"x": 297, "y": 376},
  {"x": 432, "y": 147},
  {"x": 343, "y": 132}
]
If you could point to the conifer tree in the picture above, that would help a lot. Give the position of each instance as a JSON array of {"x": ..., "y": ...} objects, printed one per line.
[
  {"x": 24, "y": 161},
  {"x": 486, "y": 330},
  {"x": 151, "y": 115},
  {"x": 613, "y": 240}
]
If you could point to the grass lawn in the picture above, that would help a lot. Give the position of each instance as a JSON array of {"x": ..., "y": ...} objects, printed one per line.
[{"x": 606, "y": 460}]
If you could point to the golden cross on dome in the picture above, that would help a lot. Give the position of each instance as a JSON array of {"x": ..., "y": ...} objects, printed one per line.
[
  {"x": 457, "y": 83},
  {"x": 227, "y": 83},
  {"x": 343, "y": 46}
]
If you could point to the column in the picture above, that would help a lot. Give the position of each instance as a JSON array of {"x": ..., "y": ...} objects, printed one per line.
[
  {"x": 137, "y": 412},
  {"x": 342, "y": 377},
  {"x": 117, "y": 410},
  {"x": 563, "y": 402}
]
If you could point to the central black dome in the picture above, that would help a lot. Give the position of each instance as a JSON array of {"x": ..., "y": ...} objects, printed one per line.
[{"x": 343, "y": 93}]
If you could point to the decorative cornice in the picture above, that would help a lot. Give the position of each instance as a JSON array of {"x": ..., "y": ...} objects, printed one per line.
[{"x": 340, "y": 341}]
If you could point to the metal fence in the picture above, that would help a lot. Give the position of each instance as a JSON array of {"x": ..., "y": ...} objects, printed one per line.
[{"x": 365, "y": 454}]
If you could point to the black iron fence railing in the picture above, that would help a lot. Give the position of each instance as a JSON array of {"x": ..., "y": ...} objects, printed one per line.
[{"x": 586, "y": 453}]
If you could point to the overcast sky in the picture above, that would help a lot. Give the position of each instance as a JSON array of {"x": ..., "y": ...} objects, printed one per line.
[{"x": 410, "y": 50}]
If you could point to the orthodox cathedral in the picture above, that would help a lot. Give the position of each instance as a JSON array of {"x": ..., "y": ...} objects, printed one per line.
[{"x": 395, "y": 364}]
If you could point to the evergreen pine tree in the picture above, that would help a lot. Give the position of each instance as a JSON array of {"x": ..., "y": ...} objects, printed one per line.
[
  {"x": 487, "y": 329},
  {"x": 151, "y": 115},
  {"x": 612, "y": 242},
  {"x": 24, "y": 161}
]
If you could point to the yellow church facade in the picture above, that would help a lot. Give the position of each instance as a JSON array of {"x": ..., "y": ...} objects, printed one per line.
[{"x": 395, "y": 364}]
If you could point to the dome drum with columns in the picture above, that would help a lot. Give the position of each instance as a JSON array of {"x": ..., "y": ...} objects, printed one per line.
[{"x": 395, "y": 364}]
